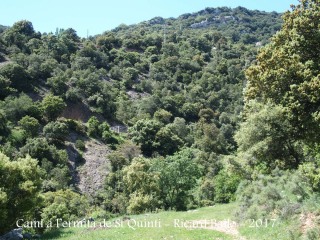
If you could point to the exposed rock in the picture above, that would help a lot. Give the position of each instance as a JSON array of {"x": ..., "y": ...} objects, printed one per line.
[
  {"x": 15, "y": 234},
  {"x": 95, "y": 169}
]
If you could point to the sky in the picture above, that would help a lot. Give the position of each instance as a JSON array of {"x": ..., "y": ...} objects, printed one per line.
[{"x": 97, "y": 16}]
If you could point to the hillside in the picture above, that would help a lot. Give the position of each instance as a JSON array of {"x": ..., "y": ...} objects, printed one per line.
[{"x": 172, "y": 114}]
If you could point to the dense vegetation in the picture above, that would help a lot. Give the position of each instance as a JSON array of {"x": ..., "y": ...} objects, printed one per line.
[{"x": 176, "y": 86}]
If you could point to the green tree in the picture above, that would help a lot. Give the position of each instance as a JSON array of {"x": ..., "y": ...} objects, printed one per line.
[
  {"x": 56, "y": 131},
  {"x": 142, "y": 185},
  {"x": 64, "y": 204},
  {"x": 52, "y": 106},
  {"x": 177, "y": 176},
  {"x": 19, "y": 34},
  {"x": 267, "y": 139},
  {"x": 17, "y": 75},
  {"x": 166, "y": 142},
  {"x": 163, "y": 116},
  {"x": 4, "y": 130},
  {"x": 30, "y": 125},
  {"x": 144, "y": 133},
  {"x": 93, "y": 127},
  {"x": 5, "y": 88},
  {"x": 15, "y": 107},
  {"x": 40, "y": 149},
  {"x": 58, "y": 84},
  {"x": 288, "y": 69},
  {"x": 20, "y": 183}
]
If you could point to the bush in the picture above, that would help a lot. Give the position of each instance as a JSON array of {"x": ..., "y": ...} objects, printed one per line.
[
  {"x": 20, "y": 183},
  {"x": 30, "y": 125},
  {"x": 56, "y": 131},
  {"x": 225, "y": 186},
  {"x": 80, "y": 145},
  {"x": 281, "y": 194},
  {"x": 16, "y": 107},
  {"x": 64, "y": 204},
  {"x": 52, "y": 106},
  {"x": 93, "y": 127},
  {"x": 140, "y": 203},
  {"x": 39, "y": 148}
]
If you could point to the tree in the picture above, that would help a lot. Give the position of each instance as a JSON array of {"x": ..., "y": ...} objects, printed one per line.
[
  {"x": 56, "y": 131},
  {"x": 144, "y": 133},
  {"x": 17, "y": 75},
  {"x": 20, "y": 184},
  {"x": 65, "y": 204},
  {"x": 267, "y": 139},
  {"x": 4, "y": 130},
  {"x": 40, "y": 149},
  {"x": 166, "y": 142},
  {"x": 5, "y": 88},
  {"x": 58, "y": 84},
  {"x": 142, "y": 185},
  {"x": 93, "y": 127},
  {"x": 288, "y": 70},
  {"x": 15, "y": 107},
  {"x": 52, "y": 106},
  {"x": 19, "y": 34},
  {"x": 163, "y": 116},
  {"x": 177, "y": 176},
  {"x": 30, "y": 125}
]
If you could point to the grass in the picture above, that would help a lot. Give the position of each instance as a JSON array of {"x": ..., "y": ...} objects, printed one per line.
[
  {"x": 168, "y": 225},
  {"x": 279, "y": 229}
]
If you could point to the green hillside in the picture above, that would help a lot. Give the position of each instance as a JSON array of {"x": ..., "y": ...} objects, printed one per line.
[{"x": 221, "y": 106}]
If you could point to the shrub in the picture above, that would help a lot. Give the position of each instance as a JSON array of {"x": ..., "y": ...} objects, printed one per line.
[
  {"x": 140, "y": 203},
  {"x": 280, "y": 194},
  {"x": 39, "y": 148},
  {"x": 30, "y": 125},
  {"x": 63, "y": 204},
  {"x": 93, "y": 127},
  {"x": 225, "y": 186},
  {"x": 80, "y": 145},
  {"x": 52, "y": 106},
  {"x": 56, "y": 131},
  {"x": 20, "y": 183}
]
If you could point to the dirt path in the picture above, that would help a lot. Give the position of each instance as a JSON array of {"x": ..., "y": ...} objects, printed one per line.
[{"x": 227, "y": 226}]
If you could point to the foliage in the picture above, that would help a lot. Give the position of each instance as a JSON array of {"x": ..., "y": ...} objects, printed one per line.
[
  {"x": 63, "y": 204},
  {"x": 40, "y": 149},
  {"x": 17, "y": 75},
  {"x": 225, "y": 187},
  {"x": 142, "y": 184},
  {"x": 19, "y": 190},
  {"x": 93, "y": 127},
  {"x": 56, "y": 131},
  {"x": 144, "y": 133},
  {"x": 80, "y": 145},
  {"x": 267, "y": 139},
  {"x": 30, "y": 125},
  {"x": 177, "y": 176},
  {"x": 177, "y": 86},
  {"x": 281, "y": 194},
  {"x": 17, "y": 107},
  {"x": 52, "y": 106},
  {"x": 287, "y": 72}
]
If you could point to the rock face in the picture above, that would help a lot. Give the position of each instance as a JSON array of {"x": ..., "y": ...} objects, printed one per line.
[
  {"x": 15, "y": 234},
  {"x": 95, "y": 169}
]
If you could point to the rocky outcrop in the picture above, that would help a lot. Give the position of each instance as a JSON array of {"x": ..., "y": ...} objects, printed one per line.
[{"x": 93, "y": 172}]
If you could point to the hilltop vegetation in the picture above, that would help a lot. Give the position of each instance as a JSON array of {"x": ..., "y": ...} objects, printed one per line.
[{"x": 199, "y": 114}]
